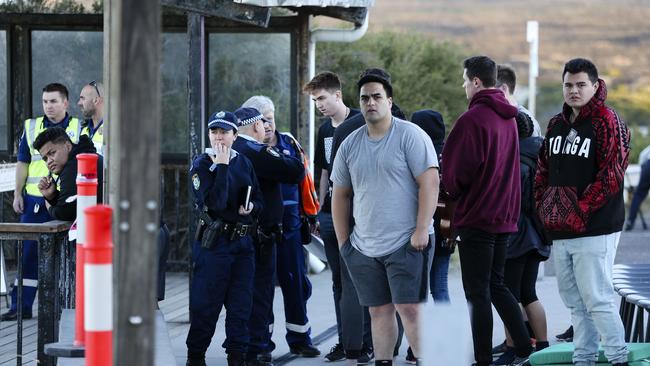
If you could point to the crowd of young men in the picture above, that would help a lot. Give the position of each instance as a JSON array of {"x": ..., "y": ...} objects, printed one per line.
[{"x": 247, "y": 188}]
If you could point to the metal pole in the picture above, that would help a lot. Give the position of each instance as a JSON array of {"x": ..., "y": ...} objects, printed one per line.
[
  {"x": 532, "y": 36},
  {"x": 19, "y": 307}
]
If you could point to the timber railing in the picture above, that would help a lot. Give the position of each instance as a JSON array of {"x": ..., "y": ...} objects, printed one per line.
[{"x": 56, "y": 264}]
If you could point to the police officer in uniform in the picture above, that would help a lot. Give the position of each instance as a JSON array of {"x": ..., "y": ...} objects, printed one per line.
[
  {"x": 291, "y": 269},
  {"x": 227, "y": 195},
  {"x": 272, "y": 168},
  {"x": 28, "y": 200}
]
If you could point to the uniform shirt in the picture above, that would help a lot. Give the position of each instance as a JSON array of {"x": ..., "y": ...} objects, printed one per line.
[
  {"x": 290, "y": 192},
  {"x": 222, "y": 187},
  {"x": 382, "y": 173},
  {"x": 91, "y": 130},
  {"x": 24, "y": 154},
  {"x": 271, "y": 168}
]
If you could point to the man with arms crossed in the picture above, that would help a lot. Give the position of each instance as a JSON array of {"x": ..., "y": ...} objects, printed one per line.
[
  {"x": 388, "y": 253},
  {"x": 579, "y": 198}
]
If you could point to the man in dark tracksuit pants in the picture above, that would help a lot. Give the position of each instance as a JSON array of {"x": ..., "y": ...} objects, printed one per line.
[{"x": 271, "y": 168}]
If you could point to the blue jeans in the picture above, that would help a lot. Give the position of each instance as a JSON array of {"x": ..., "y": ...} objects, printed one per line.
[
  {"x": 439, "y": 278},
  {"x": 584, "y": 277}
]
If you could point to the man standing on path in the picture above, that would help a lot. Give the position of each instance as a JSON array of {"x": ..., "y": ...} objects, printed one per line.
[
  {"x": 325, "y": 90},
  {"x": 388, "y": 255},
  {"x": 482, "y": 174},
  {"x": 579, "y": 198}
]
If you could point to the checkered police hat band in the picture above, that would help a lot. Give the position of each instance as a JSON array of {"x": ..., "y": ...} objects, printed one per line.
[
  {"x": 250, "y": 120},
  {"x": 222, "y": 121}
]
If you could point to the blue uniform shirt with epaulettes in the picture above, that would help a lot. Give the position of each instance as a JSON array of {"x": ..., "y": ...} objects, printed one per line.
[
  {"x": 222, "y": 187},
  {"x": 286, "y": 144},
  {"x": 272, "y": 168}
]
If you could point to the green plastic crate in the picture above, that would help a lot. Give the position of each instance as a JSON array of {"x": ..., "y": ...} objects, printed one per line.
[{"x": 561, "y": 354}]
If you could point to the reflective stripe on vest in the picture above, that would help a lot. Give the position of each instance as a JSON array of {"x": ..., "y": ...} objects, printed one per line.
[
  {"x": 98, "y": 138},
  {"x": 37, "y": 168}
]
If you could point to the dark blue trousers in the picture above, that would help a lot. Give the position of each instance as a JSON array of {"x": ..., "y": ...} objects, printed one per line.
[
  {"x": 30, "y": 252},
  {"x": 291, "y": 272},
  {"x": 223, "y": 276},
  {"x": 261, "y": 318}
]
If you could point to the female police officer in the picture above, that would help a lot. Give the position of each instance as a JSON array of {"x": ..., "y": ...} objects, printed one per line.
[{"x": 223, "y": 254}]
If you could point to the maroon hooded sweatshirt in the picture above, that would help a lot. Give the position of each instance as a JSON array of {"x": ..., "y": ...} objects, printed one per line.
[{"x": 481, "y": 165}]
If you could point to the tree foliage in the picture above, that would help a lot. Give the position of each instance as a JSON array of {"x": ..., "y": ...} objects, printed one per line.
[
  {"x": 45, "y": 6},
  {"x": 425, "y": 74}
]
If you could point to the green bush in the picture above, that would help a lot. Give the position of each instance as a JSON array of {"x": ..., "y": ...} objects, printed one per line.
[{"x": 425, "y": 74}]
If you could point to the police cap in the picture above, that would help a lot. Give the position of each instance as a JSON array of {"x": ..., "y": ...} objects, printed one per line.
[
  {"x": 224, "y": 120},
  {"x": 248, "y": 115}
]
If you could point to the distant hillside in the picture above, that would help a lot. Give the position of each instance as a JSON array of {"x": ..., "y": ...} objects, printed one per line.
[{"x": 614, "y": 34}]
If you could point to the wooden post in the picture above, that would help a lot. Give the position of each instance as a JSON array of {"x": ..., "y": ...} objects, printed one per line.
[
  {"x": 299, "y": 59},
  {"x": 20, "y": 77},
  {"x": 196, "y": 112},
  {"x": 134, "y": 123}
]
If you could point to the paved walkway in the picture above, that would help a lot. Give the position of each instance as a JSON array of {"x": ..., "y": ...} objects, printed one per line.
[{"x": 447, "y": 336}]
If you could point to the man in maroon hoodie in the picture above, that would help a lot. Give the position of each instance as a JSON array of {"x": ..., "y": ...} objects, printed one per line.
[
  {"x": 482, "y": 175},
  {"x": 579, "y": 198}
]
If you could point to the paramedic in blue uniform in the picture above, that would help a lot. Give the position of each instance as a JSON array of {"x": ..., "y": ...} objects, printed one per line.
[
  {"x": 272, "y": 168},
  {"x": 291, "y": 270},
  {"x": 223, "y": 254}
]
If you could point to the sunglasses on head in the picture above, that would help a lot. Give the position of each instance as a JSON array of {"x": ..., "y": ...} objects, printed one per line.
[{"x": 94, "y": 85}]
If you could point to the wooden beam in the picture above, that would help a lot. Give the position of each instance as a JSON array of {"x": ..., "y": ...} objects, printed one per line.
[
  {"x": 353, "y": 15},
  {"x": 248, "y": 14},
  {"x": 19, "y": 60},
  {"x": 196, "y": 101},
  {"x": 135, "y": 121},
  {"x": 299, "y": 78}
]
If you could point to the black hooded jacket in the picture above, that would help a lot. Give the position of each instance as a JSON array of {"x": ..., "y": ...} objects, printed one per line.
[
  {"x": 530, "y": 233},
  {"x": 64, "y": 203}
]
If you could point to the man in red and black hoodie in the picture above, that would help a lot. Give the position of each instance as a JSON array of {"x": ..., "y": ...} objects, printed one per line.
[{"x": 579, "y": 197}]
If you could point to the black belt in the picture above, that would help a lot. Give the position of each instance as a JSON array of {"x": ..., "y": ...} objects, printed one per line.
[{"x": 237, "y": 229}]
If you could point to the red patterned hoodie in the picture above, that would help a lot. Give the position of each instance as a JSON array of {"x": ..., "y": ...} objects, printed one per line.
[{"x": 579, "y": 181}]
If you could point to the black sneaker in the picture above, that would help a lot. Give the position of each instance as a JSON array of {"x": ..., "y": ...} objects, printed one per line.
[
  {"x": 304, "y": 350},
  {"x": 367, "y": 356},
  {"x": 337, "y": 353},
  {"x": 265, "y": 357},
  {"x": 410, "y": 357},
  {"x": 520, "y": 361},
  {"x": 567, "y": 336},
  {"x": 497, "y": 350},
  {"x": 13, "y": 315},
  {"x": 506, "y": 357}
]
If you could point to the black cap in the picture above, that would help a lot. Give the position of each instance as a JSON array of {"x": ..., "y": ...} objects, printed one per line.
[{"x": 376, "y": 75}]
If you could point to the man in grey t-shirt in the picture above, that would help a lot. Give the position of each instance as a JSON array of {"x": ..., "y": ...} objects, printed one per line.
[{"x": 391, "y": 166}]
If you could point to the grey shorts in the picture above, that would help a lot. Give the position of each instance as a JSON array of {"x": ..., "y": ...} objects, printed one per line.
[{"x": 400, "y": 277}]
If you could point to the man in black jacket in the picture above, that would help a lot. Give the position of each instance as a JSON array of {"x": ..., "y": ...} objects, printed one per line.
[{"x": 60, "y": 155}]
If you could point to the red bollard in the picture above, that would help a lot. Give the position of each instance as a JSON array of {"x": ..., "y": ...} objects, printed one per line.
[
  {"x": 86, "y": 197},
  {"x": 98, "y": 286}
]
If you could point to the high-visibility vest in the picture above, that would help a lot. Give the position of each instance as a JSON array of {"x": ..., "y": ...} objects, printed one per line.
[
  {"x": 37, "y": 168},
  {"x": 98, "y": 137}
]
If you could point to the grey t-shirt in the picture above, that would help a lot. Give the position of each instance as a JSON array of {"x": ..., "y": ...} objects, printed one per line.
[{"x": 382, "y": 176}]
